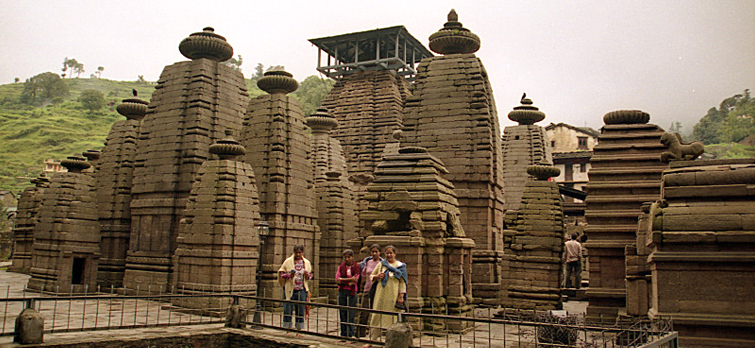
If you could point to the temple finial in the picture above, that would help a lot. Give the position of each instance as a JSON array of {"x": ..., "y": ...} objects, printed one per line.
[{"x": 452, "y": 16}]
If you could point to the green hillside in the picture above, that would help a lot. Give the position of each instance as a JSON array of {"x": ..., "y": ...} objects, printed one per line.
[{"x": 29, "y": 134}]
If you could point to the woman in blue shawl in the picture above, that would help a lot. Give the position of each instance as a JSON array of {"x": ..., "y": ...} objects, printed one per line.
[{"x": 391, "y": 278}]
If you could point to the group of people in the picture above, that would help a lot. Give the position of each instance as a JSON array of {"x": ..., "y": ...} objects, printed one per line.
[{"x": 377, "y": 283}]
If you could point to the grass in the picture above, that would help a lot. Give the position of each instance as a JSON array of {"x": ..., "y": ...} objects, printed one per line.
[{"x": 29, "y": 135}]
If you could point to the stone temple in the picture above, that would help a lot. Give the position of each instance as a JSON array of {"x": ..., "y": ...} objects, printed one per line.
[{"x": 204, "y": 190}]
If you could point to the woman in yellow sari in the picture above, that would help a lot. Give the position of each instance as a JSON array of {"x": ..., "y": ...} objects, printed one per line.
[{"x": 391, "y": 277}]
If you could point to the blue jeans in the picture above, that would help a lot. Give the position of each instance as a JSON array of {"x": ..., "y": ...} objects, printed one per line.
[
  {"x": 299, "y": 309},
  {"x": 345, "y": 298}
]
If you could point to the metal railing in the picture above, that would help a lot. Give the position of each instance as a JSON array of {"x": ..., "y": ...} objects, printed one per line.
[{"x": 482, "y": 328}]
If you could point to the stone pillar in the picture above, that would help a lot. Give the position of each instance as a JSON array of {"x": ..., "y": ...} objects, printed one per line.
[
  {"x": 336, "y": 214},
  {"x": 625, "y": 172},
  {"x": 218, "y": 244},
  {"x": 412, "y": 207},
  {"x": 26, "y": 219},
  {"x": 452, "y": 114},
  {"x": 702, "y": 252},
  {"x": 67, "y": 234},
  {"x": 280, "y": 152},
  {"x": 534, "y": 244},
  {"x": 193, "y": 104},
  {"x": 114, "y": 179}
]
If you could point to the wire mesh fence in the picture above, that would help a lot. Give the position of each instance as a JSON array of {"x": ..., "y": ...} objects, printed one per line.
[{"x": 482, "y": 327}]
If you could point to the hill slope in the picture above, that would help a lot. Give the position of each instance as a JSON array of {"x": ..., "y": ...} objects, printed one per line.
[{"x": 29, "y": 135}]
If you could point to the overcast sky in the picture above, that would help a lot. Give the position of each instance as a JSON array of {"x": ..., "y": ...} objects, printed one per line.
[{"x": 577, "y": 60}]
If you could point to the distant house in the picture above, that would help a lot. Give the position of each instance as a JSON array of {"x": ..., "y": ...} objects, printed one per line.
[
  {"x": 572, "y": 149},
  {"x": 53, "y": 166}
]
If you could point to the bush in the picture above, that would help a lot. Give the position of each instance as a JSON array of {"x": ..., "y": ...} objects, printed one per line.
[{"x": 92, "y": 100}]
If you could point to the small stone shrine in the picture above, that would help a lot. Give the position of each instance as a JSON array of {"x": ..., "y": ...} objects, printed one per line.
[
  {"x": 626, "y": 171},
  {"x": 279, "y": 150},
  {"x": 23, "y": 227},
  {"x": 334, "y": 198},
  {"x": 67, "y": 234},
  {"x": 702, "y": 252},
  {"x": 533, "y": 245},
  {"x": 452, "y": 114},
  {"x": 193, "y": 104},
  {"x": 523, "y": 145},
  {"x": 414, "y": 208},
  {"x": 218, "y": 245},
  {"x": 113, "y": 186}
]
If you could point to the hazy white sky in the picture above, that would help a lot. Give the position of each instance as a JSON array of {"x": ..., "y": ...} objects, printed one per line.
[{"x": 576, "y": 59}]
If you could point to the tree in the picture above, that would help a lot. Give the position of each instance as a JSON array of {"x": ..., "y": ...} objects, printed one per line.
[
  {"x": 16, "y": 80},
  {"x": 260, "y": 70},
  {"x": 732, "y": 121},
  {"x": 42, "y": 87},
  {"x": 140, "y": 79},
  {"x": 65, "y": 67},
  {"x": 234, "y": 63},
  {"x": 92, "y": 99},
  {"x": 101, "y": 69},
  {"x": 74, "y": 66},
  {"x": 311, "y": 92}
]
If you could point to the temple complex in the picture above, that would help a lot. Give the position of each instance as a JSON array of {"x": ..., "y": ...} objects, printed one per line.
[
  {"x": 114, "y": 179},
  {"x": 67, "y": 234},
  {"x": 414, "y": 208},
  {"x": 452, "y": 114},
  {"x": 280, "y": 153},
  {"x": 193, "y": 104},
  {"x": 533, "y": 245},
  {"x": 626, "y": 171},
  {"x": 203, "y": 190},
  {"x": 23, "y": 228},
  {"x": 218, "y": 246}
]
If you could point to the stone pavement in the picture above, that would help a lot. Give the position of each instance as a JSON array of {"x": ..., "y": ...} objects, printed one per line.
[{"x": 113, "y": 312}]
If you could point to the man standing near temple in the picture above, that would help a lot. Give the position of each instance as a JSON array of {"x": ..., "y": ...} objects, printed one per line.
[{"x": 573, "y": 258}]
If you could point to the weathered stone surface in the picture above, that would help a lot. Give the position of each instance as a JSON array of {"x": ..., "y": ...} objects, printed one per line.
[
  {"x": 280, "y": 153},
  {"x": 701, "y": 248},
  {"x": 114, "y": 179},
  {"x": 418, "y": 213},
  {"x": 533, "y": 244},
  {"x": 452, "y": 114},
  {"x": 193, "y": 104},
  {"x": 368, "y": 107},
  {"x": 626, "y": 171},
  {"x": 67, "y": 234},
  {"x": 29, "y": 328},
  {"x": 217, "y": 245},
  {"x": 23, "y": 228}
]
